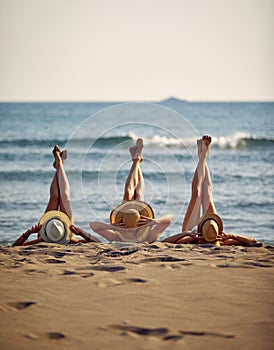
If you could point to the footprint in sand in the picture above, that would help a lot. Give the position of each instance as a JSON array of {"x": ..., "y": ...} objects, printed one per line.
[
  {"x": 68, "y": 272},
  {"x": 173, "y": 337},
  {"x": 115, "y": 253},
  {"x": 55, "y": 261},
  {"x": 58, "y": 255},
  {"x": 90, "y": 274},
  {"x": 142, "y": 330},
  {"x": 4, "y": 250},
  {"x": 137, "y": 280},
  {"x": 163, "y": 259},
  {"x": 25, "y": 252},
  {"x": 201, "y": 334},
  {"x": 154, "y": 246},
  {"x": 164, "y": 332},
  {"x": 109, "y": 268},
  {"x": 257, "y": 264},
  {"x": 56, "y": 335},
  {"x": 20, "y": 305}
]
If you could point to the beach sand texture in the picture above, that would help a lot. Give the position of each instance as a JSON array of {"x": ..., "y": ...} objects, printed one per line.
[{"x": 127, "y": 296}]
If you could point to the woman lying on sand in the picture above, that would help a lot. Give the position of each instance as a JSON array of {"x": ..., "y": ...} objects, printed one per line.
[
  {"x": 133, "y": 220},
  {"x": 209, "y": 228},
  {"x": 56, "y": 225}
]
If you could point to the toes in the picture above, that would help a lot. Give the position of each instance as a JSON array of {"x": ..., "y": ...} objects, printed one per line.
[
  {"x": 207, "y": 139},
  {"x": 64, "y": 155},
  {"x": 139, "y": 148},
  {"x": 57, "y": 154},
  {"x": 140, "y": 143},
  {"x": 56, "y": 150}
]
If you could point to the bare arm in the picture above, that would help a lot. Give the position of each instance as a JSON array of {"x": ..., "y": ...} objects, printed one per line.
[
  {"x": 106, "y": 230},
  {"x": 180, "y": 238},
  {"x": 158, "y": 226},
  {"x": 231, "y": 238},
  {"x": 23, "y": 238},
  {"x": 148, "y": 230},
  {"x": 78, "y": 231}
]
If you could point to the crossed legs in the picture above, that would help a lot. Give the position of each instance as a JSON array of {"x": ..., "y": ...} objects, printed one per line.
[
  {"x": 201, "y": 194},
  {"x": 134, "y": 186},
  {"x": 60, "y": 189}
]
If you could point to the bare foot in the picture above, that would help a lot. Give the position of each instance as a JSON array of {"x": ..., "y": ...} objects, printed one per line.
[
  {"x": 207, "y": 140},
  {"x": 204, "y": 146},
  {"x": 59, "y": 156},
  {"x": 64, "y": 155},
  {"x": 139, "y": 149},
  {"x": 136, "y": 151}
]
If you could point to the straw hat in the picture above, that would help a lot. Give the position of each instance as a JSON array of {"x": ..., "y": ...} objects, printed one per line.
[
  {"x": 210, "y": 226},
  {"x": 55, "y": 227},
  {"x": 130, "y": 213}
]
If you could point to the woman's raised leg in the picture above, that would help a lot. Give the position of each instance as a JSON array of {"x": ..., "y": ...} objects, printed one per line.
[
  {"x": 54, "y": 200},
  {"x": 53, "y": 203},
  {"x": 140, "y": 188},
  {"x": 59, "y": 189},
  {"x": 208, "y": 205},
  {"x": 193, "y": 212},
  {"x": 134, "y": 188},
  {"x": 63, "y": 186}
]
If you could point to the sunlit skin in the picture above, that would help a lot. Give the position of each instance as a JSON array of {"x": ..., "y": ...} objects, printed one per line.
[
  {"x": 146, "y": 229},
  {"x": 59, "y": 200},
  {"x": 201, "y": 199}
]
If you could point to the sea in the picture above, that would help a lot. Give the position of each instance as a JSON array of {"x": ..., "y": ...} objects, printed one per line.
[{"x": 98, "y": 136}]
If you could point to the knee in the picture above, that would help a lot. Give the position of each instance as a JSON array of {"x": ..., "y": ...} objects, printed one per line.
[
  {"x": 54, "y": 196},
  {"x": 208, "y": 190},
  {"x": 65, "y": 196},
  {"x": 196, "y": 191},
  {"x": 128, "y": 195}
]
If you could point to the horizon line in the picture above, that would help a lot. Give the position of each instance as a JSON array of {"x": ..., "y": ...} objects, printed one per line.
[{"x": 168, "y": 99}]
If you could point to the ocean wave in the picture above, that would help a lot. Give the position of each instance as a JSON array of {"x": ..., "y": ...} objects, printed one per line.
[
  {"x": 21, "y": 143},
  {"x": 241, "y": 140},
  {"x": 238, "y": 140},
  {"x": 44, "y": 143},
  {"x": 164, "y": 141},
  {"x": 261, "y": 142}
]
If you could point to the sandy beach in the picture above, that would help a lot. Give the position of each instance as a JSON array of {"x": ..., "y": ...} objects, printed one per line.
[{"x": 127, "y": 296}]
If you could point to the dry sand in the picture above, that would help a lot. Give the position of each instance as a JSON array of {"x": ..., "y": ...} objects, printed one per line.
[{"x": 126, "y": 296}]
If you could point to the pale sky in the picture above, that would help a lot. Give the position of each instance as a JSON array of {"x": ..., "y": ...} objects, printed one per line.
[{"x": 105, "y": 50}]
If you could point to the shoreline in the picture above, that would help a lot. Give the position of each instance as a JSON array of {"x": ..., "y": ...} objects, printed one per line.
[{"x": 136, "y": 296}]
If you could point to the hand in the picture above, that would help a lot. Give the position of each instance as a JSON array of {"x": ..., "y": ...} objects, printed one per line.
[
  {"x": 34, "y": 229},
  {"x": 75, "y": 229},
  {"x": 223, "y": 236},
  {"x": 193, "y": 234},
  {"x": 120, "y": 224},
  {"x": 144, "y": 220}
]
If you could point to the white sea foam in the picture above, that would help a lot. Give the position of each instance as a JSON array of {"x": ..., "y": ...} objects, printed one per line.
[{"x": 229, "y": 141}]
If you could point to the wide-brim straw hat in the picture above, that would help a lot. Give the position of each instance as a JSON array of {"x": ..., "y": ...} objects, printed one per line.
[
  {"x": 210, "y": 225},
  {"x": 143, "y": 208},
  {"x": 62, "y": 234}
]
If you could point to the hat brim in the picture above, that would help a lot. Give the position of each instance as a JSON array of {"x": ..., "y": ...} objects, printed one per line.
[
  {"x": 143, "y": 208},
  {"x": 59, "y": 215},
  {"x": 211, "y": 216}
]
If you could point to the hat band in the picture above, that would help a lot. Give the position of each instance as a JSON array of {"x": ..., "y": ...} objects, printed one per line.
[{"x": 209, "y": 219}]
